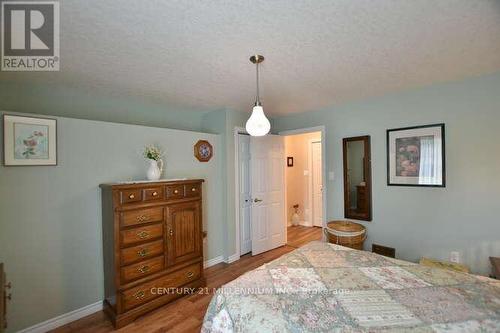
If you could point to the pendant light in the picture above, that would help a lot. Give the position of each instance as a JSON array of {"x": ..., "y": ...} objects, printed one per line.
[{"x": 257, "y": 124}]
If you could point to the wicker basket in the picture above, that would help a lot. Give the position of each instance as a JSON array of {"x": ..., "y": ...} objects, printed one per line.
[{"x": 346, "y": 233}]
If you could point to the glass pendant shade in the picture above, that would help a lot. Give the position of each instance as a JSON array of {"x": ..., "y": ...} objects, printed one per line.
[{"x": 258, "y": 124}]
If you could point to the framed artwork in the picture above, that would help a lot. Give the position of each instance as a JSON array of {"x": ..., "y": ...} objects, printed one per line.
[
  {"x": 289, "y": 161},
  {"x": 203, "y": 151},
  {"x": 29, "y": 141},
  {"x": 416, "y": 156}
]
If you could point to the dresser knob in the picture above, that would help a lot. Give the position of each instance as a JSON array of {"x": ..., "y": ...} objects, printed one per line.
[
  {"x": 154, "y": 194},
  {"x": 140, "y": 294},
  {"x": 142, "y": 218},
  {"x": 142, "y": 253},
  {"x": 176, "y": 191},
  {"x": 190, "y": 275},
  {"x": 171, "y": 232},
  {"x": 143, "y": 269},
  {"x": 193, "y": 189},
  {"x": 131, "y": 196}
]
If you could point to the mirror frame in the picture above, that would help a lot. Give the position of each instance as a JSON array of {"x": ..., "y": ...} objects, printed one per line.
[{"x": 367, "y": 168}]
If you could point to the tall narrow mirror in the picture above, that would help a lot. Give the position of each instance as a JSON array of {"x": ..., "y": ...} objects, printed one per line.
[{"x": 357, "y": 178}]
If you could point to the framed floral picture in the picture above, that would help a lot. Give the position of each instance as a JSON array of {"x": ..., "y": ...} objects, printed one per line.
[
  {"x": 29, "y": 141},
  {"x": 416, "y": 156}
]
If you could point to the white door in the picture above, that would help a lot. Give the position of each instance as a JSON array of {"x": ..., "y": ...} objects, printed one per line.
[
  {"x": 317, "y": 185},
  {"x": 268, "y": 204},
  {"x": 245, "y": 197}
]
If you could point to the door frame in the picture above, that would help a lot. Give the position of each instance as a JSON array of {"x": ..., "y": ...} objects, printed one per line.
[
  {"x": 321, "y": 129},
  {"x": 241, "y": 130},
  {"x": 236, "y": 132},
  {"x": 310, "y": 180}
]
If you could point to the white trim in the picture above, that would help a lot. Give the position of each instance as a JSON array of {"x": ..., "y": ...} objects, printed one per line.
[
  {"x": 233, "y": 258},
  {"x": 236, "y": 132},
  {"x": 305, "y": 223},
  {"x": 304, "y": 130},
  {"x": 324, "y": 172},
  {"x": 310, "y": 179},
  {"x": 285, "y": 203},
  {"x": 64, "y": 319},
  {"x": 213, "y": 261}
]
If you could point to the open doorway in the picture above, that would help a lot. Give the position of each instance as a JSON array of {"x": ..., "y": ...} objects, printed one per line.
[
  {"x": 266, "y": 189},
  {"x": 304, "y": 187}
]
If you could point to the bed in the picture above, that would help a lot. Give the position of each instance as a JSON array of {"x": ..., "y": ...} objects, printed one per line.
[{"x": 323, "y": 287}]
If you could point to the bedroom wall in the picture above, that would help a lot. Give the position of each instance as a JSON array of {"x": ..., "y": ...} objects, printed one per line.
[
  {"x": 50, "y": 216},
  {"x": 76, "y": 102},
  {"x": 425, "y": 221},
  {"x": 224, "y": 122}
]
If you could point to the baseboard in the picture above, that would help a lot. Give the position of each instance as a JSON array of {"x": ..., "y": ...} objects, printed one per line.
[
  {"x": 305, "y": 224},
  {"x": 93, "y": 308},
  {"x": 64, "y": 319},
  {"x": 213, "y": 261},
  {"x": 233, "y": 258}
]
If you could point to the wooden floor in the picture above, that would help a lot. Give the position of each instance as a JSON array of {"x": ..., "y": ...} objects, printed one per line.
[
  {"x": 186, "y": 314},
  {"x": 299, "y": 235}
]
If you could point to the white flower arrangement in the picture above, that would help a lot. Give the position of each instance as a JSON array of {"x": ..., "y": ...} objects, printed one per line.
[{"x": 152, "y": 152}]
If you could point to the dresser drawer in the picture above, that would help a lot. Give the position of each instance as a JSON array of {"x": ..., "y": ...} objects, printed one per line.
[
  {"x": 134, "y": 217},
  {"x": 148, "y": 291},
  {"x": 153, "y": 193},
  {"x": 175, "y": 191},
  {"x": 193, "y": 190},
  {"x": 130, "y": 196},
  {"x": 141, "y": 252},
  {"x": 142, "y": 269},
  {"x": 141, "y": 234}
]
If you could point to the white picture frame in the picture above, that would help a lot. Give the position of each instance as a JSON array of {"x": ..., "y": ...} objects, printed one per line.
[{"x": 29, "y": 141}]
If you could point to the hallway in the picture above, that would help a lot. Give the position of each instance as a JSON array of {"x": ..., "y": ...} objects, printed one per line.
[{"x": 298, "y": 236}]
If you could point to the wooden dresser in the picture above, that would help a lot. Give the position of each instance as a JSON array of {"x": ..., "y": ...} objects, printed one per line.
[{"x": 152, "y": 245}]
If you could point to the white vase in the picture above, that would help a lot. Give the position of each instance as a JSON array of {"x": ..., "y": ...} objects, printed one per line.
[{"x": 155, "y": 169}]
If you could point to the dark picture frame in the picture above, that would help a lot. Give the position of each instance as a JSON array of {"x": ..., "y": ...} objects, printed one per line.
[
  {"x": 416, "y": 156},
  {"x": 289, "y": 161},
  {"x": 364, "y": 210}
]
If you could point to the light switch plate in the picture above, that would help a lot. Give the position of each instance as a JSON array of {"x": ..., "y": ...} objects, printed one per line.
[{"x": 306, "y": 172}]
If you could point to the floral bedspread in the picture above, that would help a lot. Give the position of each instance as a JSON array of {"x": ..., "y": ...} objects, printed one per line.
[{"x": 323, "y": 287}]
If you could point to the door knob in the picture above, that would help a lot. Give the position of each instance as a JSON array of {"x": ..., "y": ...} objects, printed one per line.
[{"x": 257, "y": 200}]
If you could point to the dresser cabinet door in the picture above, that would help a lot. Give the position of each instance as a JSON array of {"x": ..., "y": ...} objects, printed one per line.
[{"x": 183, "y": 232}]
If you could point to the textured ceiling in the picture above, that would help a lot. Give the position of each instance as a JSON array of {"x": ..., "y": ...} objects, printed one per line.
[{"x": 318, "y": 53}]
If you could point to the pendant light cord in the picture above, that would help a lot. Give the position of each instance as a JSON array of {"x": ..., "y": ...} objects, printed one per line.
[{"x": 257, "y": 99}]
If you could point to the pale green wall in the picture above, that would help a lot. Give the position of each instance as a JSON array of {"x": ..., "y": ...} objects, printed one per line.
[
  {"x": 224, "y": 122},
  {"x": 50, "y": 216},
  {"x": 86, "y": 104},
  {"x": 425, "y": 221}
]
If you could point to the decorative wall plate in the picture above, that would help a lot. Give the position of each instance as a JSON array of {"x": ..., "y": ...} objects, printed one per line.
[{"x": 203, "y": 151}]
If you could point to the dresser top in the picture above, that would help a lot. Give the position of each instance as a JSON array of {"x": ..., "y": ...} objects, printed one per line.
[{"x": 139, "y": 183}]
